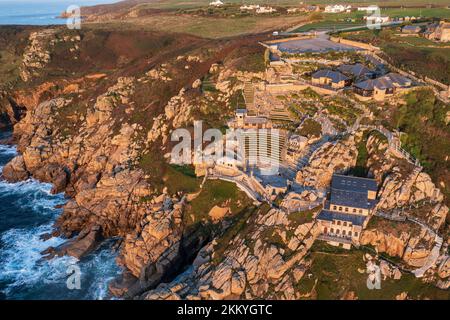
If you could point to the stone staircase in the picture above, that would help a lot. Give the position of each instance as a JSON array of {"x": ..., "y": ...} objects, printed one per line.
[
  {"x": 435, "y": 252},
  {"x": 249, "y": 95},
  {"x": 432, "y": 258},
  {"x": 304, "y": 160},
  {"x": 280, "y": 114}
]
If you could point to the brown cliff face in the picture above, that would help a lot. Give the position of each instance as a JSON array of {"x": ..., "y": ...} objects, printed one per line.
[
  {"x": 264, "y": 260},
  {"x": 100, "y": 109},
  {"x": 92, "y": 101}
]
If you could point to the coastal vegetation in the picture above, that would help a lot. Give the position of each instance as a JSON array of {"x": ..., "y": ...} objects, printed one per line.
[
  {"x": 420, "y": 55},
  {"x": 334, "y": 274}
]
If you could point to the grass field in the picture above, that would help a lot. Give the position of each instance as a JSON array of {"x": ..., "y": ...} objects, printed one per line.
[
  {"x": 216, "y": 192},
  {"x": 343, "y": 20},
  {"x": 420, "y": 55},
  {"x": 197, "y": 18},
  {"x": 188, "y": 4},
  {"x": 334, "y": 273},
  {"x": 203, "y": 26}
]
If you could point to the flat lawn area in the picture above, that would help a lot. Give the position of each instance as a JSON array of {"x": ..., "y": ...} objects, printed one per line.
[
  {"x": 421, "y": 42},
  {"x": 216, "y": 192},
  {"x": 187, "y": 4},
  {"x": 181, "y": 178},
  {"x": 204, "y": 26},
  {"x": 417, "y": 12},
  {"x": 336, "y": 273},
  {"x": 336, "y": 21},
  {"x": 328, "y": 25}
]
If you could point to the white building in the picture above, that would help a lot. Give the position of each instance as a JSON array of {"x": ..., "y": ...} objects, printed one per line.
[
  {"x": 216, "y": 3},
  {"x": 375, "y": 19},
  {"x": 249, "y": 7},
  {"x": 265, "y": 10},
  {"x": 337, "y": 8},
  {"x": 369, "y": 8}
]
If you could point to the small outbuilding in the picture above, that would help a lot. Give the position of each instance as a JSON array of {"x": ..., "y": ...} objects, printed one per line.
[{"x": 335, "y": 79}]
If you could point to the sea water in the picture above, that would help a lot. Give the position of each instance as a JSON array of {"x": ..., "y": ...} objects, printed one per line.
[
  {"x": 27, "y": 211},
  {"x": 39, "y": 12}
]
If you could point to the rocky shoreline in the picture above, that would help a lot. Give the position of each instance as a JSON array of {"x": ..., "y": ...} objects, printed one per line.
[{"x": 103, "y": 139}]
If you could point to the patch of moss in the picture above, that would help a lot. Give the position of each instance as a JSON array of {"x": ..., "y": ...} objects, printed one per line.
[
  {"x": 215, "y": 192},
  {"x": 336, "y": 272},
  {"x": 310, "y": 128},
  {"x": 239, "y": 226}
]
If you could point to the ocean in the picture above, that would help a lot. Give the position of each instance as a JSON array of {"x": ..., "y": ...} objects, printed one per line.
[
  {"x": 39, "y": 12},
  {"x": 27, "y": 211}
]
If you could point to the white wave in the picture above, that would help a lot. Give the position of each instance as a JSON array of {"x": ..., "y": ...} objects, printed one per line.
[
  {"x": 24, "y": 274},
  {"x": 32, "y": 195},
  {"x": 8, "y": 150},
  {"x": 21, "y": 258},
  {"x": 103, "y": 265},
  {"x": 24, "y": 269}
]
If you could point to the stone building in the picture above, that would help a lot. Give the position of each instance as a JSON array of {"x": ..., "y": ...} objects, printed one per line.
[
  {"x": 438, "y": 32},
  {"x": 260, "y": 144},
  {"x": 345, "y": 214},
  {"x": 330, "y": 78},
  {"x": 411, "y": 29},
  {"x": 243, "y": 121},
  {"x": 356, "y": 71},
  {"x": 381, "y": 88}
]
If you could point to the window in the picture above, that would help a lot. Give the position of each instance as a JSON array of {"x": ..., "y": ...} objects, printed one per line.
[
  {"x": 337, "y": 231},
  {"x": 350, "y": 233},
  {"x": 360, "y": 210},
  {"x": 333, "y": 222},
  {"x": 346, "y": 209},
  {"x": 356, "y": 234},
  {"x": 332, "y": 230},
  {"x": 344, "y": 223},
  {"x": 343, "y": 232},
  {"x": 338, "y": 223},
  {"x": 334, "y": 207},
  {"x": 354, "y": 210},
  {"x": 340, "y": 208}
]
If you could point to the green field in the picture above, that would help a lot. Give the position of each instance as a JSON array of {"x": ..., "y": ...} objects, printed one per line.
[
  {"x": 180, "y": 4},
  {"x": 334, "y": 274},
  {"x": 338, "y": 21},
  {"x": 420, "y": 55}
]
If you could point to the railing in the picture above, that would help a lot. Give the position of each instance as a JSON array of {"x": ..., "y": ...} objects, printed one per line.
[
  {"x": 393, "y": 217},
  {"x": 326, "y": 237}
]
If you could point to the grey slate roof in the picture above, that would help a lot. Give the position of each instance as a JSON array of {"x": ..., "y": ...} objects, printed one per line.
[
  {"x": 371, "y": 84},
  {"x": 335, "y": 76},
  {"x": 351, "y": 191},
  {"x": 411, "y": 28},
  {"x": 351, "y": 183},
  {"x": 391, "y": 80},
  {"x": 356, "y": 69},
  {"x": 398, "y": 80},
  {"x": 351, "y": 199},
  {"x": 330, "y": 216}
]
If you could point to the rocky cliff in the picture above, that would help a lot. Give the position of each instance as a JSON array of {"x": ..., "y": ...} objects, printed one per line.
[
  {"x": 93, "y": 113},
  {"x": 263, "y": 259},
  {"x": 90, "y": 130}
]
